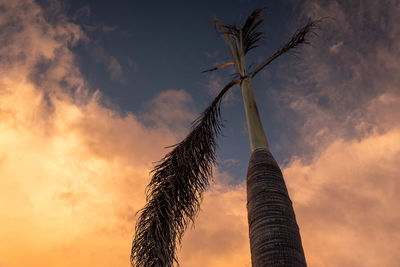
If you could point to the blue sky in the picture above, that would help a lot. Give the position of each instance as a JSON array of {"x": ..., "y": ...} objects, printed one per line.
[{"x": 139, "y": 49}]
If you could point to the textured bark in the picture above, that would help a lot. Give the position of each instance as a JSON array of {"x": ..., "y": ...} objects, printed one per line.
[{"x": 274, "y": 235}]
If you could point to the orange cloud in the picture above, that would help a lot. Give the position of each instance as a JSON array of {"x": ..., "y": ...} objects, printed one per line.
[
  {"x": 220, "y": 236},
  {"x": 346, "y": 202},
  {"x": 73, "y": 172}
]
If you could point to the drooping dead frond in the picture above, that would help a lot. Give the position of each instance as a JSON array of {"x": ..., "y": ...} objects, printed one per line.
[
  {"x": 298, "y": 38},
  {"x": 220, "y": 66},
  {"x": 233, "y": 46},
  {"x": 175, "y": 190}
]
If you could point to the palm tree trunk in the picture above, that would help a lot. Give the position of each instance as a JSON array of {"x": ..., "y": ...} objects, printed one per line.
[
  {"x": 274, "y": 235},
  {"x": 256, "y": 131}
]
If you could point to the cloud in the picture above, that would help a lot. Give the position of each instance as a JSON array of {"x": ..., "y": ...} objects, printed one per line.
[
  {"x": 335, "y": 47},
  {"x": 220, "y": 237},
  {"x": 115, "y": 69},
  {"x": 113, "y": 66},
  {"x": 212, "y": 54},
  {"x": 342, "y": 100},
  {"x": 216, "y": 84},
  {"x": 325, "y": 93},
  {"x": 230, "y": 162},
  {"x": 171, "y": 109},
  {"x": 346, "y": 202},
  {"x": 133, "y": 65},
  {"x": 82, "y": 13},
  {"x": 108, "y": 29}
]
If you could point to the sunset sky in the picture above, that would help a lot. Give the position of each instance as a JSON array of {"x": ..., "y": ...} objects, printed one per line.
[{"x": 91, "y": 93}]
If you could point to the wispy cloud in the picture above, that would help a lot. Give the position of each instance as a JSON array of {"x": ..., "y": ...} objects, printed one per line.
[
  {"x": 115, "y": 69},
  {"x": 133, "y": 64},
  {"x": 220, "y": 237},
  {"x": 335, "y": 47},
  {"x": 351, "y": 63},
  {"x": 82, "y": 13},
  {"x": 211, "y": 54},
  {"x": 113, "y": 66},
  {"x": 82, "y": 16},
  {"x": 215, "y": 84},
  {"x": 230, "y": 162},
  {"x": 342, "y": 99},
  {"x": 108, "y": 29},
  {"x": 346, "y": 202},
  {"x": 172, "y": 109}
]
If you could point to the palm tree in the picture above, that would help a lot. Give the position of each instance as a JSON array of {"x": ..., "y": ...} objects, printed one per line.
[{"x": 180, "y": 178}]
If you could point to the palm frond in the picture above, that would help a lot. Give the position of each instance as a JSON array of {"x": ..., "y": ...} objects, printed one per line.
[
  {"x": 242, "y": 40},
  {"x": 175, "y": 191},
  {"x": 298, "y": 38},
  {"x": 250, "y": 35}
]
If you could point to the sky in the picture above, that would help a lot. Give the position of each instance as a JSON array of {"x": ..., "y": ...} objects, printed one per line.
[{"x": 92, "y": 93}]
